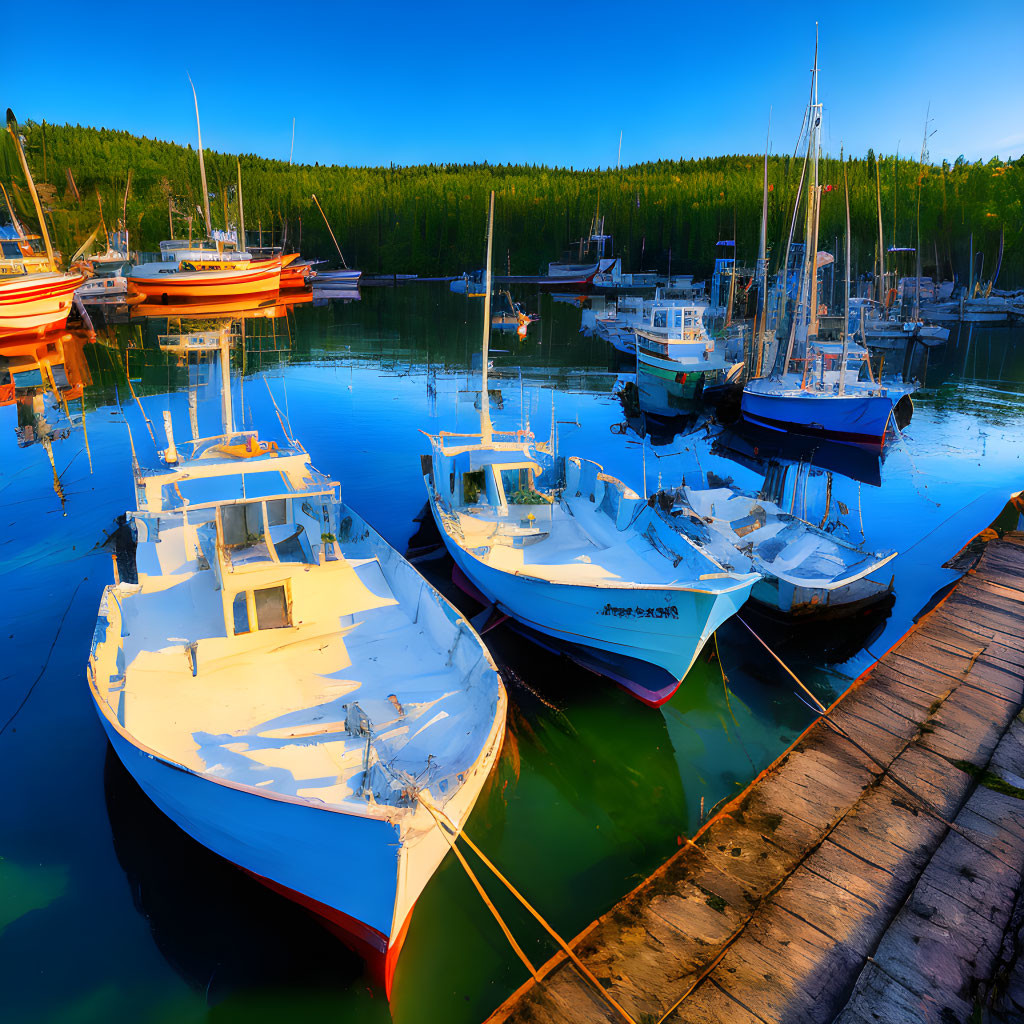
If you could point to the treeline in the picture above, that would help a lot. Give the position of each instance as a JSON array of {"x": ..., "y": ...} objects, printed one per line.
[{"x": 429, "y": 220}]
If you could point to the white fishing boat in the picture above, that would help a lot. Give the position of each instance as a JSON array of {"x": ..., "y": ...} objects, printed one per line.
[
  {"x": 106, "y": 289},
  {"x": 618, "y": 325},
  {"x": 674, "y": 354},
  {"x": 289, "y": 690},
  {"x": 574, "y": 555},
  {"x": 805, "y": 572}
]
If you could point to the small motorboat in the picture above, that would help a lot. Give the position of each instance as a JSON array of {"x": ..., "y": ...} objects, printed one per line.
[{"x": 804, "y": 570}]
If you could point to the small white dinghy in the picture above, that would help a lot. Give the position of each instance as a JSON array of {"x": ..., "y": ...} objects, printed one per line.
[
  {"x": 290, "y": 691},
  {"x": 806, "y": 571}
]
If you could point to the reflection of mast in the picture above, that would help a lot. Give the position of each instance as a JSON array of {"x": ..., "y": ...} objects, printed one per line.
[
  {"x": 225, "y": 382},
  {"x": 485, "y": 402},
  {"x": 58, "y": 488},
  {"x": 85, "y": 436}
]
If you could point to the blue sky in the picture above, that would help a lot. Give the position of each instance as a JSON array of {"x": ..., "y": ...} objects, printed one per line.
[{"x": 377, "y": 82}]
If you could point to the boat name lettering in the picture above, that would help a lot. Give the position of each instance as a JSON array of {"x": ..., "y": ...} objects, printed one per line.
[{"x": 669, "y": 612}]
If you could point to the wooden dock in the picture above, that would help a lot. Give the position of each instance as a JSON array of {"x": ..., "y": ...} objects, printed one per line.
[{"x": 871, "y": 875}]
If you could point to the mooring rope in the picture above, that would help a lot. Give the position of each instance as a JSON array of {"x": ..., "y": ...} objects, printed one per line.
[
  {"x": 455, "y": 834},
  {"x": 925, "y": 804}
]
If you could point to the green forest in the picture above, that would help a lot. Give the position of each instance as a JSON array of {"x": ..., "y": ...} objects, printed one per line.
[{"x": 430, "y": 220}]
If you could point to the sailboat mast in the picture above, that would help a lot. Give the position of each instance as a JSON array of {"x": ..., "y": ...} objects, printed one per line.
[
  {"x": 762, "y": 250},
  {"x": 881, "y": 242},
  {"x": 807, "y": 276},
  {"x": 242, "y": 245},
  {"x": 12, "y": 125},
  {"x": 202, "y": 163},
  {"x": 812, "y": 251},
  {"x": 846, "y": 296},
  {"x": 920, "y": 181},
  {"x": 485, "y": 402}
]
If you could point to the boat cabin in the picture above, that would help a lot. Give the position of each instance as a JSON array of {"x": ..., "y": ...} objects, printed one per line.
[{"x": 677, "y": 333}]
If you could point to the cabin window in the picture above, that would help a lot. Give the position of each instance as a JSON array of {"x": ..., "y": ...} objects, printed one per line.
[
  {"x": 518, "y": 485},
  {"x": 473, "y": 485},
  {"x": 277, "y": 511},
  {"x": 242, "y": 524},
  {"x": 271, "y": 608},
  {"x": 660, "y": 318},
  {"x": 240, "y": 611}
]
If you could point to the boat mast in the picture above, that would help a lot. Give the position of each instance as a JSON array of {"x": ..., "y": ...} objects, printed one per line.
[
  {"x": 328, "y": 223},
  {"x": 12, "y": 125},
  {"x": 846, "y": 297},
  {"x": 243, "y": 245},
  {"x": 812, "y": 249},
  {"x": 807, "y": 275},
  {"x": 920, "y": 181},
  {"x": 124, "y": 213},
  {"x": 485, "y": 402},
  {"x": 881, "y": 242},
  {"x": 202, "y": 164},
  {"x": 762, "y": 249}
]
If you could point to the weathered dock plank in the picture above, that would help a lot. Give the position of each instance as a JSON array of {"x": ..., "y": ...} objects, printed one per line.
[{"x": 835, "y": 887}]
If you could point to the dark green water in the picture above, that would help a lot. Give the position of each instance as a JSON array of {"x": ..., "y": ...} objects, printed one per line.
[{"x": 109, "y": 913}]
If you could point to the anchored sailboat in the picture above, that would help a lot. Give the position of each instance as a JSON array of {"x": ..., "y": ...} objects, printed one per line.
[{"x": 826, "y": 397}]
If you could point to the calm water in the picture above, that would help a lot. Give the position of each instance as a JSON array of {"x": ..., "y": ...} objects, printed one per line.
[{"x": 108, "y": 912}]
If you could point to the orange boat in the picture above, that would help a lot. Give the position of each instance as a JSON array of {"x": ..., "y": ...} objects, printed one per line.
[
  {"x": 204, "y": 280},
  {"x": 36, "y": 303}
]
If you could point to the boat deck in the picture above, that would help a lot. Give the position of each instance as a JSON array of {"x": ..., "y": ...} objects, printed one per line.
[
  {"x": 273, "y": 708},
  {"x": 559, "y": 548}
]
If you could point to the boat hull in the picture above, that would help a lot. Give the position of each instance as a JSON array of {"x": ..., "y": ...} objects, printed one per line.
[
  {"x": 663, "y": 628},
  {"x": 817, "y": 602},
  {"x": 293, "y": 848},
  {"x": 857, "y": 418},
  {"x": 36, "y": 303},
  {"x": 262, "y": 278}
]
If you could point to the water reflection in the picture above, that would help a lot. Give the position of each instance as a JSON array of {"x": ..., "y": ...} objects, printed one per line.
[{"x": 592, "y": 790}]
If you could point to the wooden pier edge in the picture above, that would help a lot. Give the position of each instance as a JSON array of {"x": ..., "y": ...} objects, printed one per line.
[{"x": 522, "y": 1004}]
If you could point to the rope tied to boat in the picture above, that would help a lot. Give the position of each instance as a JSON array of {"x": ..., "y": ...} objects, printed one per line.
[
  {"x": 451, "y": 833},
  {"x": 885, "y": 770}
]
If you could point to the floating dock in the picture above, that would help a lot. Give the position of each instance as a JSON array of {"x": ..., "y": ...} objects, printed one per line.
[{"x": 871, "y": 875}]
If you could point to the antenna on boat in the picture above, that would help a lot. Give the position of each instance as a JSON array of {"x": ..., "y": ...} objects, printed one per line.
[
  {"x": 12, "y": 125},
  {"x": 485, "y": 403},
  {"x": 202, "y": 164}
]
